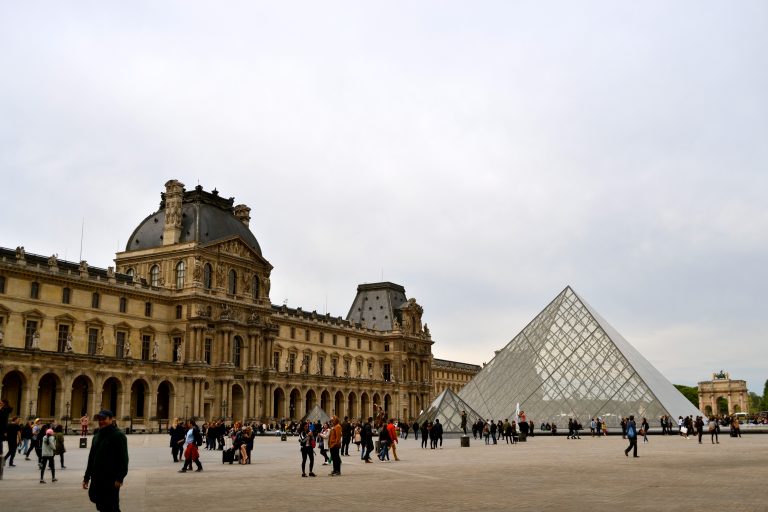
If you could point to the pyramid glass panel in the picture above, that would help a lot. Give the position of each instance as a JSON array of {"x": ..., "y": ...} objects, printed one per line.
[
  {"x": 447, "y": 408},
  {"x": 569, "y": 362}
]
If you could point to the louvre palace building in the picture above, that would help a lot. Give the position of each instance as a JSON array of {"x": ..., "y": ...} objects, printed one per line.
[{"x": 183, "y": 326}]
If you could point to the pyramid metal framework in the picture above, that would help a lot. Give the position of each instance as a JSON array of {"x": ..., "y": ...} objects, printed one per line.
[
  {"x": 316, "y": 414},
  {"x": 568, "y": 362},
  {"x": 447, "y": 408}
]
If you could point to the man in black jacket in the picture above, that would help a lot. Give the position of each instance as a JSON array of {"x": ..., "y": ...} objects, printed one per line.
[
  {"x": 346, "y": 435},
  {"x": 107, "y": 464},
  {"x": 367, "y": 440}
]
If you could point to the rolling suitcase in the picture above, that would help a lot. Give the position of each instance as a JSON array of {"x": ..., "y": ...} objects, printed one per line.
[{"x": 228, "y": 455}]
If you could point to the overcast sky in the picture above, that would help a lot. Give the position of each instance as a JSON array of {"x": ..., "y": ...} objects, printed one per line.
[{"x": 482, "y": 154}]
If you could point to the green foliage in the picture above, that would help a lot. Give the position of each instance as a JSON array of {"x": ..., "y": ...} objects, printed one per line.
[
  {"x": 689, "y": 392},
  {"x": 765, "y": 397},
  {"x": 755, "y": 402}
]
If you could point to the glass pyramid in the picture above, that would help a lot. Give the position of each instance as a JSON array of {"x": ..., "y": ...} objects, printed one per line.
[
  {"x": 447, "y": 408},
  {"x": 316, "y": 414},
  {"x": 570, "y": 363}
]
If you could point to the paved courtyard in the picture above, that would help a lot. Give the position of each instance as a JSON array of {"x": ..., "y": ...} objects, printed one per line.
[{"x": 545, "y": 473}]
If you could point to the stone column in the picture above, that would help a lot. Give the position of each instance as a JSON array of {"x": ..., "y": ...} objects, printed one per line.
[{"x": 195, "y": 397}]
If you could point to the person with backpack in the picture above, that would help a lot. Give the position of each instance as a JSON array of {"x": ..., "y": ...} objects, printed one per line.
[
  {"x": 307, "y": 448},
  {"x": 47, "y": 449},
  {"x": 631, "y": 433},
  {"x": 192, "y": 440}
]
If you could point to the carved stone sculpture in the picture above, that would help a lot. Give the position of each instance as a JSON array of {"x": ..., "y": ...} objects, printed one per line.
[
  {"x": 68, "y": 345},
  {"x": 180, "y": 352},
  {"x": 36, "y": 341},
  {"x": 155, "y": 350},
  {"x": 100, "y": 346}
]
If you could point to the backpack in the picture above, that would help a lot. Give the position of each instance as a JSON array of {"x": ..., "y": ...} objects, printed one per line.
[
  {"x": 197, "y": 436},
  {"x": 631, "y": 430}
]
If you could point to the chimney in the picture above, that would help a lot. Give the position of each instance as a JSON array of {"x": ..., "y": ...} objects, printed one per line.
[
  {"x": 243, "y": 214},
  {"x": 174, "y": 195}
]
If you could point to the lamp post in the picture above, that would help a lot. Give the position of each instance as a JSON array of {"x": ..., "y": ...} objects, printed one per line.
[
  {"x": 31, "y": 416},
  {"x": 66, "y": 419},
  {"x": 224, "y": 410}
]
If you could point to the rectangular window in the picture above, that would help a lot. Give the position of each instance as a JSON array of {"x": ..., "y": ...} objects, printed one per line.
[
  {"x": 305, "y": 365},
  {"x": 66, "y": 295},
  {"x": 34, "y": 290},
  {"x": 334, "y": 366},
  {"x": 293, "y": 333},
  {"x": 95, "y": 299},
  {"x": 292, "y": 363},
  {"x": 179, "y": 311},
  {"x": 146, "y": 341},
  {"x": 120, "y": 338},
  {"x": 2, "y": 284},
  {"x": 276, "y": 360},
  {"x": 370, "y": 370},
  {"x": 387, "y": 372},
  {"x": 123, "y": 304},
  {"x": 386, "y": 347},
  {"x": 236, "y": 349},
  {"x": 176, "y": 344},
  {"x": 306, "y": 334},
  {"x": 370, "y": 345},
  {"x": 29, "y": 332},
  {"x": 359, "y": 345},
  {"x": 322, "y": 337},
  {"x": 147, "y": 309},
  {"x": 93, "y": 340},
  {"x": 207, "y": 350},
  {"x": 346, "y": 341},
  {"x": 359, "y": 368},
  {"x": 321, "y": 365},
  {"x": 62, "y": 337},
  {"x": 347, "y": 362}
]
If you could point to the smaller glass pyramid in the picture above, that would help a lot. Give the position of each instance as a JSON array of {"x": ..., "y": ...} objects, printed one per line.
[
  {"x": 316, "y": 414},
  {"x": 447, "y": 408}
]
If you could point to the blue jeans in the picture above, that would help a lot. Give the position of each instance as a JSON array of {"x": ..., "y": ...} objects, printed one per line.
[{"x": 384, "y": 452}]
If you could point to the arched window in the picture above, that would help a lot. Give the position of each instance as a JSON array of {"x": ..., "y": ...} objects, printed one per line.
[
  {"x": 130, "y": 273},
  {"x": 154, "y": 275},
  {"x": 180, "y": 275},
  {"x": 255, "y": 287},
  {"x": 207, "y": 276},
  {"x": 232, "y": 288}
]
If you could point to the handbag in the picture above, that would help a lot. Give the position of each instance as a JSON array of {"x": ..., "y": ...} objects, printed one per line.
[{"x": 684, "y": 430}]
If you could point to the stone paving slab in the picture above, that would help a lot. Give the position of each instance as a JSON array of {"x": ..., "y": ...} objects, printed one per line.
[{"x": 545, "y": 473}]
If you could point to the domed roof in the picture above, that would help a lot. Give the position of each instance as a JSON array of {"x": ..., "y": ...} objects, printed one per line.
[{"x": 205, "y": 217}]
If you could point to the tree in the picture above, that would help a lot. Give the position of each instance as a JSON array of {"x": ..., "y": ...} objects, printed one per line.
[
  {"x": 689, "y": 392},
  {"x": 765, "y": 396},
  {"x": 755, "y": 401}
]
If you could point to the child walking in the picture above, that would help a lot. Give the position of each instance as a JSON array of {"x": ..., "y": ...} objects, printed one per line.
[{"x": 47, "y": 448}]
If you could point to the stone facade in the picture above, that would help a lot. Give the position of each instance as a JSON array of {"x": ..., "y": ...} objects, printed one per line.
[
  {"x": 722, "y": 386},
  {"x": 451, "y": 374},
  {"x": 183, "y": 326}
]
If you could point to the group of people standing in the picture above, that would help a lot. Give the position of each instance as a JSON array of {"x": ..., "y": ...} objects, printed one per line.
[
  {"x": 328, "y": 438},
  {"x": 507, "y": 430}
]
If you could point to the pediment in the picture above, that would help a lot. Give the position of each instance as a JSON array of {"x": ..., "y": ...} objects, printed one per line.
[
  {"x": 235, "y": 246},
  {"x": 65, "y": 318}
]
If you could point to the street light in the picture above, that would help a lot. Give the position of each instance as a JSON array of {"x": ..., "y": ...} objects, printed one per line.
[{"x": 66, "y": 419}]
